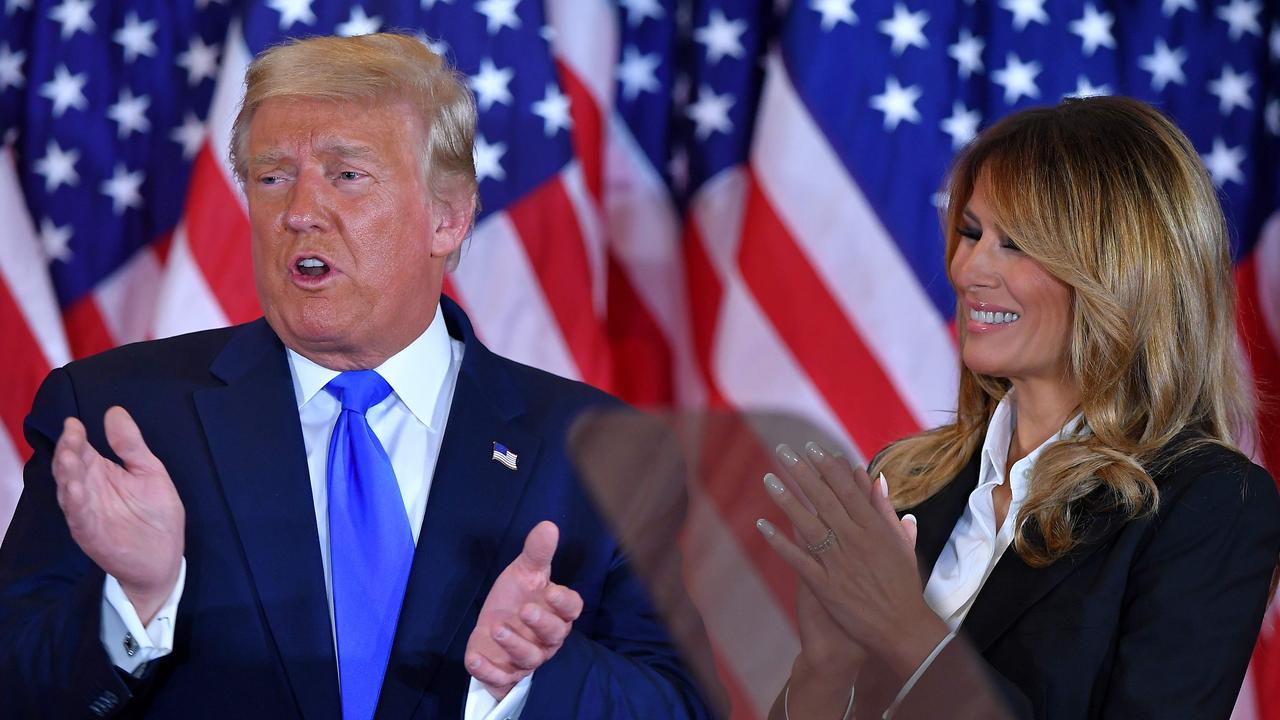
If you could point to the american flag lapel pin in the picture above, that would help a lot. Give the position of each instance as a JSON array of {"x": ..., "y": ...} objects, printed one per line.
[{"x": 504, "y": 456}]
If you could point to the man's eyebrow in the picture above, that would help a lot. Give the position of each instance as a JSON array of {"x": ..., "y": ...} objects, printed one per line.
[
  {"x": 269, "y": 157},
  {"x": 350, "y": 151}
]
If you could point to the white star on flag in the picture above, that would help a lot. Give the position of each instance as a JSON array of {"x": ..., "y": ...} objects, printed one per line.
[
  {"x": 58, "y": 167},
  {"x": 962, "y": 125},
  {"x": 640, "y": 10},
  {"x": 490, "y": 84},
  {"x": 55, "y": 241},
  {"x": 65, "y": 90},
  {"x": 358, "y": 23},
  {"x": 488, "y": 159},
  {"x": 1241, "y": 16},
  {"x": 130, "y": 113},
  {"x": 1223, "y": 163},
  {"x": 1169, "y": 7},
  {"x": 499, "y": 14},
  {"x": 834, "y": 12},
  {"x": 200, "y": 61},
  {"x": 136, "y": 37},
  {"x": 967, "y": 52},
  {"x": 1017, "y": 78},
  {"x": 710, "y": 113},
  {"x": 13, "y": 6},
  {"x": 897, "y": 103},
  {"x": 190, "y": 135},
  {"x": 637, "y": 73},
  {"x": 73, "y": 16},
  {"x": 1026, "y": 12},
  {"x": 721, "y": 37},
  {"x": 1094, "y": 29},
  {"x": 428, "y": 4},
  {"x": 11, "y": 67},
  {"x": 553, "y": 108},
  {"x": 293, "y": 11},
  {"x": 1165, "y": 65},
  {"x": 1085, "y": 88},
  {"x": 1232, "y": 89},
  {"x": 124, "y": 189},
  {"x": 906, "y": 28}
]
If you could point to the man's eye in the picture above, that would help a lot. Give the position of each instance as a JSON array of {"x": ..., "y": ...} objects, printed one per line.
[
  {"x": 270, "y": 180},
  {"x": 350, "y": 175}
]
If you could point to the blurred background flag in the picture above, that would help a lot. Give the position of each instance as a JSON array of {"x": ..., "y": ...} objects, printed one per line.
[{"x": 712, "y": 204}]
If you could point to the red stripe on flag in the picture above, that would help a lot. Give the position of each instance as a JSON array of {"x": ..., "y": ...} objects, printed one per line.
[
  {"x": 218, "y": 233},
  {"x": 1264, "y": 358},
  {"x": 25, "y": 366},
  {"x": 86, "y": 329},
  {"x": 588, "y": 131},
  {"x": 820, "y": 337},
  {"x": 642, "y": 362},
  {"x": 705, "y": 295},
  {"x": 548, "y": 227}
]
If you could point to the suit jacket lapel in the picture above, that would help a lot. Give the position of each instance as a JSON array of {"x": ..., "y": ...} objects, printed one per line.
[
  {"x": 473, "y": 498},
  {"x": 256, "y": 442},
  {"x": 1014, "y": 586},
  {"x": 937, "y": 516}
]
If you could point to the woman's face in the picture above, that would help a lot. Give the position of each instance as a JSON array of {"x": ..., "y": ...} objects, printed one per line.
[{"x": 1017, "y": 316}]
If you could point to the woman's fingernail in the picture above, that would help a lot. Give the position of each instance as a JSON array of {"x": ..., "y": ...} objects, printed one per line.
[
  {"x": 884, "y": 485},
  {"x": 773, "y": 484},
  {"x": 815, "y": 451},
  {"x": 787, "y": 455},
  {"x": 766, "y": 527},
  {"x": 910, "y": 518}
]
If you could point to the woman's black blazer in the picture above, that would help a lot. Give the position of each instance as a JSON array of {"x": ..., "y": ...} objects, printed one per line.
[{"x": 1151, "y": 618}]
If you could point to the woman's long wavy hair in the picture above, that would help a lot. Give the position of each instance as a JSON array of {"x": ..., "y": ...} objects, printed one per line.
[{"x": 1111, "y": 199}]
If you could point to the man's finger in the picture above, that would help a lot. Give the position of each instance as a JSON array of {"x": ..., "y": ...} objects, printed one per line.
[
  {"x": 548, "y": 629},
  {"x": 565, "y": 601},
  {"x": 540, "y": 546},
  {"x": 524, "y": 654},
  {"x": 488, "y": 673},
  {"x": 125, "y": 439}
]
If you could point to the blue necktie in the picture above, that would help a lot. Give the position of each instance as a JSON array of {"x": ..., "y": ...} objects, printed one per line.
[{"x": 370, "y": 543}]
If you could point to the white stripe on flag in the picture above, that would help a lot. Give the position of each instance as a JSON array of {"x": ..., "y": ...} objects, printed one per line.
[
  {"x": 185, "y": 302},
  {"x": 504, "y": 298},
  {"x": 24, "y": 271},
  {"x": 822, "y": 207},
  {"x": 127, "y": 299},
  {"x": 10, "y": 480}
]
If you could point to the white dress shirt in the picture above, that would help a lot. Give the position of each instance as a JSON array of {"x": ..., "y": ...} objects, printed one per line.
[
  {"x": 976, "y": 544},
  {"x": 410, "y": 424}
]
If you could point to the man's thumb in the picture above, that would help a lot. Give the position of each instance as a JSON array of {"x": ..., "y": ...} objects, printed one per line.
[
  {"x": 540, "y": 546},
  {"x": 125, "y": 439}
]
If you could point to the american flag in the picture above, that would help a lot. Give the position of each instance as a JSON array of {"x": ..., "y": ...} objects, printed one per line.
[{"x": 719, "y": 203}]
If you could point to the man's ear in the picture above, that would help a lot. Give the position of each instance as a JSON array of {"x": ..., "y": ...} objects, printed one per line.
[{"x": 452, "y": 218}]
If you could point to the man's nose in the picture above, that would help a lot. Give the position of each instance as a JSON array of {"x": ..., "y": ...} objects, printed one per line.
[{"x": 308, "y": 209}]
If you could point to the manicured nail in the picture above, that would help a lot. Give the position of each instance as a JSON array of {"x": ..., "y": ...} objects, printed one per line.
[
  {"x": 787, "y": 455},
  {"x": 766, "y": 527},
  {"x": 815, "y": 451},
  {"x": 910, "y": 518},
  {"x": 773, "y": 484},
  {"x": 884, "y": 485}
]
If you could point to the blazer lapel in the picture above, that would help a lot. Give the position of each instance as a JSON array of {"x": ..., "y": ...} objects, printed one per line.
[
  {"x": 473, "y": 499},
  {"x": 1014, "y": 586},
  {"x": 937, "y": 516},
  {"x": 256, "y": 442}
]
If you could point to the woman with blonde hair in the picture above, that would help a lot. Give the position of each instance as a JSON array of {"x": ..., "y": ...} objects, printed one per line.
[{"x": 1087, "y": 523}]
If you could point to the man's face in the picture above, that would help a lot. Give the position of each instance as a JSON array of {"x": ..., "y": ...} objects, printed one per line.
[{"x": 349, "y": 248}]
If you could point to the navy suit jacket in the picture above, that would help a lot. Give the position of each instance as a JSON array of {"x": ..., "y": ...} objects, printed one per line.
[
  {"x": 1150, "y": 618},
  {"x": 253, "y": 636}
]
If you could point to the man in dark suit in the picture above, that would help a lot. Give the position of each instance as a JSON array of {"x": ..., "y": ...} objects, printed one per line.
[{"x": 338, "y": 509}]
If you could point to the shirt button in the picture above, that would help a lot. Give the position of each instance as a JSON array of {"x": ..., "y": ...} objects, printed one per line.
[{"x": 130, "y": 645}]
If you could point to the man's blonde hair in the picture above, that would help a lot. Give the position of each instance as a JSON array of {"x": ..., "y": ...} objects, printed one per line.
[
  {"x": 1112, "y": 199},
  {"x": 379, "y": 68}
]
